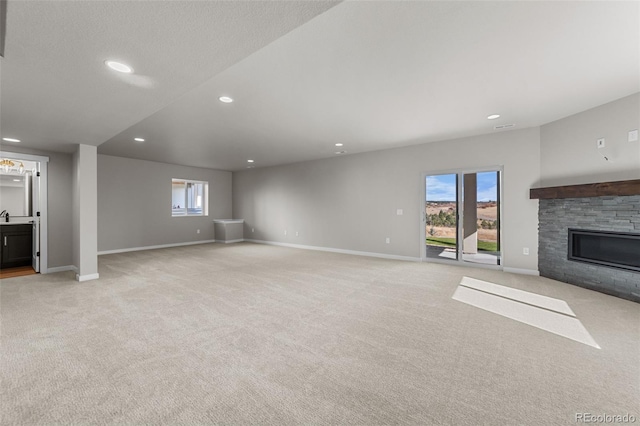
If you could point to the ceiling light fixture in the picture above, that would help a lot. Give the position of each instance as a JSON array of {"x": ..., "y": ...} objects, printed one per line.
[
  {"x": 8, "y": 166},
  {"x": 493, "y": 116},
  {"x": 16, "y": 180},
  {"x": 250, "y": 161},
  {"x": 138, "y": 139},
  {"x": 339, "y": 144},
  {"x": 119, "y": 66},
  {"x": 225, "y": 99},
  {"x": 11, "y": 140}
]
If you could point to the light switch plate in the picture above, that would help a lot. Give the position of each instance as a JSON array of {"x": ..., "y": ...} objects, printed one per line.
[
  {"x": 600, "y": 143},
  {"x": 633, "y": 135},
  {"x": 399, "y": 212}
]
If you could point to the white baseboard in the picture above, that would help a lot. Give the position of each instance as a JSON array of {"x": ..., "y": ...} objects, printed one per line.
[
  {"x": 61, "y": 269},
  {"x": 230, "y": 241},
  {"x": 124, "y": 250},
  {"x": 521, "y": 271},
  {"x": 87, "y": 277},
  {"x": 379, "y": 255},
  {"x": 335, "y": 250},
  {"x": 274, "y": 243}
]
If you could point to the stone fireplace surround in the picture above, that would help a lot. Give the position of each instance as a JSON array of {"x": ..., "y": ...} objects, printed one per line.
[{"x": 589, "y": 210}]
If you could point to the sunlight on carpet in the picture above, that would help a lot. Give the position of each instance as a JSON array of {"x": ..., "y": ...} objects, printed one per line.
[{"x": 545, "y": 313}]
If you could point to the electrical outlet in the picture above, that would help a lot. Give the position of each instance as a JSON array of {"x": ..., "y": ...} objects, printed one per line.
[
  {"x": 198, "y": 231},
  {"x": 285, "y": 232},
  {"x": 633, "y": 135},
  {"x": 525, "y": 251},
  {"x": 297, "y": 233},
  {"x": 388, "y": 240},
  {"x": 600, "y": 143},
  {"x": 253, "y": 229}
]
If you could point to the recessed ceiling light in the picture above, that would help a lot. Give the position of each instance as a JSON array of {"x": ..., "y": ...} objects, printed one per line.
[
  {"x": 249, "y": 161},
  {"x": 493, "y": 116},
  {"x": 16, "y": 180},
  {"x": 339, "y": 144},
  {"x": 225, "y": 99},
  {"x": 119, "y": 66},
  {"x": 138, "y": 139},
  {"x": 11, "y": 140}
]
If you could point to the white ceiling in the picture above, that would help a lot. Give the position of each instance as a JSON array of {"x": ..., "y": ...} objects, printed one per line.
[
  {"x": 371, "y": 75},
  {"x": 57, "y": 92}
]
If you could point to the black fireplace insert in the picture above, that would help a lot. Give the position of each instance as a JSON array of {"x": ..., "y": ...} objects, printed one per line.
[{"x": 612, "y": 249}]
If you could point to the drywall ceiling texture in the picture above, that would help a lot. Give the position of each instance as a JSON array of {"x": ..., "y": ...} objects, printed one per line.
[
  {"x": 57, "y": 92},
  {"x": 568, "y": 147},
  {"x": 350, "y": 202},
  {"x": 376, "y": 75}
]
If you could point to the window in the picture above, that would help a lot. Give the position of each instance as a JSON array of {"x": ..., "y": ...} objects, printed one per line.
[{"x": 189, "y": 197}]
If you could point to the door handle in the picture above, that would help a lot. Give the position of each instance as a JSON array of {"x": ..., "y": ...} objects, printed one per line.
[{"x": 5, "y": 240}]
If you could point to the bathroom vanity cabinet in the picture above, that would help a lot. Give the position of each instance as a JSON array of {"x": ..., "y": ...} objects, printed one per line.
[{"x": 16, "y": 245}]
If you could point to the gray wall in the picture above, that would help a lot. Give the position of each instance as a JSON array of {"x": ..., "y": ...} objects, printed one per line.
[
  {"x": 134, "y": 203},
  {"x": 60, "y": 205},
  {"x": 568, "y": 153},
  {"x": 60, "y": 186},
  {"x": 350, "y": 202}
]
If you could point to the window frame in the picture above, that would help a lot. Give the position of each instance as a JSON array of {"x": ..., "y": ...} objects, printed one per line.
[{"x": 184, "y": 211}]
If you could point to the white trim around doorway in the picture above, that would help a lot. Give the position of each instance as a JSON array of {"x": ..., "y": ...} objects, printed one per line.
[{"x": 44, "y": 188}]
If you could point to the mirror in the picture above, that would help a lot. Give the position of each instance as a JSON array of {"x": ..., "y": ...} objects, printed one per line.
[{"x": 15, "y": 189}]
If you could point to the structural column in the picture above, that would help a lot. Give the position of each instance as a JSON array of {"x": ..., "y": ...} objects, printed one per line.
[
  {"x": 470, "y": 223},
  {"x": 85, "y": 212}
]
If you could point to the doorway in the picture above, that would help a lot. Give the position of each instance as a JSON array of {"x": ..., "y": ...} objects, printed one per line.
[
  {"x": 24, "y": 234},
  {"x": 462, "y": 210}
]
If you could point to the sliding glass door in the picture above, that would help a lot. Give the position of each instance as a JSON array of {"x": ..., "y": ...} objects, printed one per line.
[
  {"x": 462, "y": 216},
  {"x": 441, "y": 216}
]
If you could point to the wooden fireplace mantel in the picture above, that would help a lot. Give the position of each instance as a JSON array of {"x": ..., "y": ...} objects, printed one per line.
[{"x": 622, "y": 187}]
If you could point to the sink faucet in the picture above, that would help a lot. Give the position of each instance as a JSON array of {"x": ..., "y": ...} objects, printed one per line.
[{"x": 5, "y": 214}]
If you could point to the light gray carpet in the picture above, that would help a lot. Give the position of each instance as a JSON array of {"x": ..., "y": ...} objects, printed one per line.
[{"x": 255, "y": 334}]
